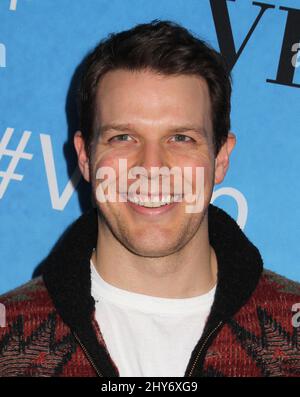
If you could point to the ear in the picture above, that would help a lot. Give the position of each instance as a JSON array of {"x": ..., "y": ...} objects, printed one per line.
[
  {"x": 83, "y": 160},
  {"x": 222, "y": 159}
]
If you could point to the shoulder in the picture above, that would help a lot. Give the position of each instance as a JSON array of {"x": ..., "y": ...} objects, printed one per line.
[
  {"x": 280, "y": 284},
  {"x": 277, "y": 289},
  {"x": 31, "y": 294},
  {"x": 24, "y": 306},
  {"x": 34, "y": 341},
  {"x": 275, "y": 300},
  {"x": 263, "y": 337}
]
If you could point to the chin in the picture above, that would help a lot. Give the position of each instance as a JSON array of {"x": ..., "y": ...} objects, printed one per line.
[
  {"x": 152, "y": 249},
  {"x": 152, "y": 252}
]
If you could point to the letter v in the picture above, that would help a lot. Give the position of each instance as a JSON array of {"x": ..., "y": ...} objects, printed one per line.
[
  {"x": 224, "y": 32},
  {"x": 58, "y": 202}
]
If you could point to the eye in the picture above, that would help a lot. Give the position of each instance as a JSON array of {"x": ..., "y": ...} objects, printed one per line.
[
  {"x": 183, "y": 138},
  {"x": 120, "y": 138}
]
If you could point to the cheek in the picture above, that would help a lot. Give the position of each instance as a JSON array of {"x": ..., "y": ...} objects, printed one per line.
[
  {"x": 206, "y": 164},
  {"x": 99, "y": 161},
  {"x": 104, "y": 159},
  {"x": 203, "y": 181},
  {"x": 111, "y": 157},
  {"x": 114, "y": 172}
]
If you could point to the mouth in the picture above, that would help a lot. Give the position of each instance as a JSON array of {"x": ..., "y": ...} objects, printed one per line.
[
  {"x": 152, "y": 205},
  {"x": 154, "y": 201}
]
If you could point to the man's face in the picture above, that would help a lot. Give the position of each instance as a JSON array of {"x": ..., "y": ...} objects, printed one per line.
[{"x": 162, "y": 121}]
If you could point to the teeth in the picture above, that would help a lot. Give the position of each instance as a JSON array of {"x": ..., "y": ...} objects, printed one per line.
[{"x": 145, "y": 201}]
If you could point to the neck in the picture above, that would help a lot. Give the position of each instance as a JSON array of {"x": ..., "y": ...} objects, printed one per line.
[{"x": 190, "y": 272}]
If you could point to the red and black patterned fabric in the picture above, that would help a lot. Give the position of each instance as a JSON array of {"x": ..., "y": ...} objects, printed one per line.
[{"x": 51, "y": 328}]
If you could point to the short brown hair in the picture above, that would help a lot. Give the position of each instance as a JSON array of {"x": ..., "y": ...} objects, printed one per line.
[{"x": 164, "y": 47}]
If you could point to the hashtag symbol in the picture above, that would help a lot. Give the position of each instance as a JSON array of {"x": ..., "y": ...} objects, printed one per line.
[{"x": 16, "y": 155}]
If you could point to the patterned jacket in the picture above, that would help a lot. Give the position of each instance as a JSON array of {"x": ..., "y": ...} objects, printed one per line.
[{"x": 51, "y": 328}]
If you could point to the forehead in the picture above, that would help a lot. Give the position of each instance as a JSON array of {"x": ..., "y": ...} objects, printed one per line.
[{"x": 149, "y": 97}]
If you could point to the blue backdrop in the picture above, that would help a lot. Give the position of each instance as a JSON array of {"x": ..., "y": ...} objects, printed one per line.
[{"x": 41, "y": 45}]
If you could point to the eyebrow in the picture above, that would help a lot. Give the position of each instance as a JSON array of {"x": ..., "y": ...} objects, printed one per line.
[{"x": 127, "y": 127}]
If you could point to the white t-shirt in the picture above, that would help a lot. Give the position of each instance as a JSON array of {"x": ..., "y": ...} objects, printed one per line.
[{"x": 146, "y": 335}]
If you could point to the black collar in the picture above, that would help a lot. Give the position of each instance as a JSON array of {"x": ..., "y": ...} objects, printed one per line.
[{"x": 66, "y": 272}]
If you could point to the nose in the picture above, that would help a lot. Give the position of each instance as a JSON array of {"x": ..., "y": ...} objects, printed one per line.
[{"x": 152, "y": 155}]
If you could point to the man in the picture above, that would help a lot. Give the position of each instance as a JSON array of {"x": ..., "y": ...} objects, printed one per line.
[{"x": 140, "y": 286}]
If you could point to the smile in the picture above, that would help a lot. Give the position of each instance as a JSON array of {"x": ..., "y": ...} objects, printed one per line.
[{"x": 154, "y": 201}]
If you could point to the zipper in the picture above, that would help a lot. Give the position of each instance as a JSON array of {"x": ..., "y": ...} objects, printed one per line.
[
  {"x": 203, "y": 345},
  {"x": 193, "y": 366},
  {"x": 87, "y": 355}
]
